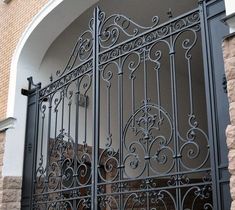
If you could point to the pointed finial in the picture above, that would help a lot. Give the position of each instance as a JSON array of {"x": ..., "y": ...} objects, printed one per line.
[
  {"x": 51, "y": 78},
  {"x": 200, "y": 1},
  {"x": 169, "y": 13}
]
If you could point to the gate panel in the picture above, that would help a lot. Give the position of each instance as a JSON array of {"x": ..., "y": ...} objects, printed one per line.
[
  {"x": 154, "y": 146},
  {"x": 130, "y": 123},
  {"x": 63, "y": 176}
]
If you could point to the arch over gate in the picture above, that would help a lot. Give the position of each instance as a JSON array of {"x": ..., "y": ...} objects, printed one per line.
[
  {"x": 50, "y": 21},
  {"x": 131, "y": 122}
]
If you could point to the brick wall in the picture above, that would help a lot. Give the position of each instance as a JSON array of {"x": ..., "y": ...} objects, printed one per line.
[
  {"x": 229, "y": 60},
  {"x": 14, "y": 18}
]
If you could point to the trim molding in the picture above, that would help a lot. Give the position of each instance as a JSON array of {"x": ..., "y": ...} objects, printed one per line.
[{"x": 7, "y": 123}]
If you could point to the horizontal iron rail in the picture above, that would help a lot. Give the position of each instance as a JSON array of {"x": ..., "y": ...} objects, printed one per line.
[
  {"x": 124, "y": 180},
  {"x": 74, "y": 74},
  {"x": 63, "y": 200},
  {"x": 157, "y": 189},
  {"x": 146, "y": 44},
  {"x": 155, "y": 29},
  {"x": 63, "y": 190},
  {"x": 157, "y": 176},
  {"x": 130, "y": 191}
]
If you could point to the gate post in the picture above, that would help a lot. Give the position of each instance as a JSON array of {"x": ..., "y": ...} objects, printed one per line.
[
  {"x": 96, "y": 108},
  {"x": 213, "y": 31},
  {"x": 30, "y": 152}
]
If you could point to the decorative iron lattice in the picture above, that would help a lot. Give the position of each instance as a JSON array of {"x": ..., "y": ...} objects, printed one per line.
[{"x": 142, "y": 142}]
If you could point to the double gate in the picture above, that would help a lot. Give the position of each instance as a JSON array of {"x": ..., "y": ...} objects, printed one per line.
[{"x": 134, "y": 120}]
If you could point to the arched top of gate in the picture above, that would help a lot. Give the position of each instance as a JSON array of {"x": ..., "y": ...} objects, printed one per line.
[
  {"x": 112, "y": 30},
  {"x": 117, "y": 35}
]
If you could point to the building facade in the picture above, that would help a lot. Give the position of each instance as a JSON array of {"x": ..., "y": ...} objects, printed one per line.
[{"x": 33, "y": 41}]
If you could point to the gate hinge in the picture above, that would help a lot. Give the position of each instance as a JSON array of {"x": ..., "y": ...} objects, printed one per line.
[{"x": 25, "y": 92}]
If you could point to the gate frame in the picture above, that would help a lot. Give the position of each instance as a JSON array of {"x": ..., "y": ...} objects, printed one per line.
[{"x": 32, "y": 118}]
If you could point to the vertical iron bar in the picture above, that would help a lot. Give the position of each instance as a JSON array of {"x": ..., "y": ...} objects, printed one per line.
[
  {"x": 48, "y": 144},
  {"x": 69, "y": 117},
  {"x": 190, "y": 86},
  {"x": 42, "y": 132},
  {"x": 210, "y": 104},
  {"x": 76, "y": 140},
  {"x": 158, "y": 88},
  {"x": 133, "y": 96},
  {"x": 35, "y": 145},
  {"x": 56, "y": 121},
  {"x": 147, "y": 136},
  {"x": 62, "y": 132},
  {"x": 96, "y": 108},
  {"x": 108, "y": 110},
  {"x": 120, "y": 120},
  {"x": 62, "y": 111},
  {"x": 175, "y": 119},
  {"x": 145, "y": 81}
]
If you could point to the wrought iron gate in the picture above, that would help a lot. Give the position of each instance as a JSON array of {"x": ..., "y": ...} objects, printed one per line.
[{"x": 131, "y": 122}]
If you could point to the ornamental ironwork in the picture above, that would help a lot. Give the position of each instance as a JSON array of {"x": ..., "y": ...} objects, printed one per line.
[{"x": 143, "y": 141}]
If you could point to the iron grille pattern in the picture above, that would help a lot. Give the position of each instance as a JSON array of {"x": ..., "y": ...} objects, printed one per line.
[{"x": 141, "y": 142}]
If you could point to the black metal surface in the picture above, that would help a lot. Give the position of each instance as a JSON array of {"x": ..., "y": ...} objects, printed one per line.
[
  {"x": 30, "y": 146},
  {"x": 148, "y": 139}
]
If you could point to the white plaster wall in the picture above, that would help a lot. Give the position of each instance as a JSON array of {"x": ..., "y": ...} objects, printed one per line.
[
  {"x": 230, "y": 6},
  {"x": 36, "y": 39},
  {"x": 230, "y": 9}
]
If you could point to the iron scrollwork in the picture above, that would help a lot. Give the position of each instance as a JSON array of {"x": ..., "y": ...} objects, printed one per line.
[{"x": 144, "y": 159}]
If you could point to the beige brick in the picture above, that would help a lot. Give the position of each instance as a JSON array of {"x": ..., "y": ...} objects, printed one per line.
[
  {"x": 11, "y": 195},
  {"x": 225, "y": 47},
  {"x": 231, "y": 92},
  {"x": 233, "y": 205},
  {"x": 2, "y": 147},
  {"x": 232, "y": 186},
  {"x": 13, "y": 206},
  {"x": 230, "y": 133},
  {"x": 232, "y": 47},
  {"x": 230, "y": 68},
  {"x": 3, "y": 206},
  {"x": 232, "y": 112},
  {"x": 12, "y": 182},
  {"x": 1, "y": 184},
  {"x": 14, "y": 19},
  {"x": 231, "y": 158}
]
